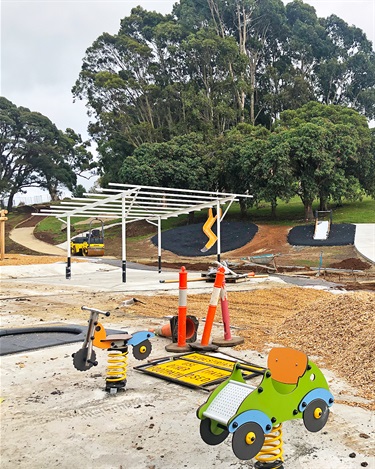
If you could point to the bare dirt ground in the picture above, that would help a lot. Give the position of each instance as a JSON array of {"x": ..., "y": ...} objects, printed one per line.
[{"x": 336, "y": 330}]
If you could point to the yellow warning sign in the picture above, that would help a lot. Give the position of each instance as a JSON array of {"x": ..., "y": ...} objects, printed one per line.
[
  {"x": 204, "y": 377},
  {"x": 210, "y": 360},
  {"x": 196, "y": 369},
  {"x": 177, "y": 368}
]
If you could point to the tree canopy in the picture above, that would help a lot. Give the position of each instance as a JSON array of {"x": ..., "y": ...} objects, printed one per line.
[
  {"x": 34, "y": 153},
  {"x": 212, "y": 64}
]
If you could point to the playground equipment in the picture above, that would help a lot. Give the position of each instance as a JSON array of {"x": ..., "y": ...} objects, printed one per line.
[
  {"x": 292, "y": 387},
  {"x": 230, "y": 275},
  {"x": 117, "y": 346},
  {"x": 323, "y": 221},
  {"x": 266, "y": 261},
  {"x": 212, "y": 238},
  {"x": 90, "y": 244}
]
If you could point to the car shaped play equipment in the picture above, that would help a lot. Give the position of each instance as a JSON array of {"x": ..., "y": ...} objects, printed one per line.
[
  {"x": 90, "y": 244},
  {"x": 292, "y": 387}
]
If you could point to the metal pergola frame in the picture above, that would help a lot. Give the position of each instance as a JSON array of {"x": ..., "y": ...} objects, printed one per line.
[{"x": 136, "y": 202}]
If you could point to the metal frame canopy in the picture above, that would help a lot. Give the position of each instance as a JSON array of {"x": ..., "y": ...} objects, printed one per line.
[{"x": 137, "y": 202}]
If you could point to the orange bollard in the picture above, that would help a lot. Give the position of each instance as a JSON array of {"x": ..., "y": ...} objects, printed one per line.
[
  {"x": 181, "y": 345},
  {"x": 220, "y": 275}
]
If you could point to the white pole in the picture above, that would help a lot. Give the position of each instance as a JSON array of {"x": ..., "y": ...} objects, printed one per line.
[
  {"x": 218, "y": 217},
  {"x": 68, "y": 271},
  {"x": 159, "y": 244},
  {"x": 123, "y": 242}
]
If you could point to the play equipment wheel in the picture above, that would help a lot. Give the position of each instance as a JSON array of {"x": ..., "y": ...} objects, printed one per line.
[
  {"x": 208, "y": 436},
  {"x": 80, "y": 360},
  {"x": 74, "y": 251},
  {"x": 142, "y": 350},
  {"x": 248, "y": 440},
  {"x": 315, "y": 415}
]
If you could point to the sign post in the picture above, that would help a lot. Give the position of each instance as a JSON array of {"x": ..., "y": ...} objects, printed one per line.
[{"x": 3, "y": 219}]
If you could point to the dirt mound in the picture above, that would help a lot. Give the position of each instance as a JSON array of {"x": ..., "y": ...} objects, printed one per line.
[
  {"x": 342, "y": 330},
  {"x": 352, "y": 263}
]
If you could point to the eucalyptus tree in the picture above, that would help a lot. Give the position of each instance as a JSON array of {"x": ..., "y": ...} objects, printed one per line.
[
  {"x": 335, "y": 61},
  {"x": 345, "y": 74},
  {"x": 258, "y": 28}
]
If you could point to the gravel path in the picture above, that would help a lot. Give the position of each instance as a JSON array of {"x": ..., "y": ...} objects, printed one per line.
[{"x": 25, "y": 237}]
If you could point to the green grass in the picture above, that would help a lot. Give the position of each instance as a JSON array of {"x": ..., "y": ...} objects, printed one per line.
[
  {"x": 355, "y": 212},
  {"x": 291, "y": 213}
]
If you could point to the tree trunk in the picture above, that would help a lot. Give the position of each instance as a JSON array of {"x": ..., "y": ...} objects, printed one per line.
[
  {"x": 309, "y": 214},
  {"x": 273, "y": 209},
  {"x": 323, "y": 205},
  {"x": 54, "y": 192},
  {"x": 243, "y": 208},
  {"x": 10, "y": 202}
]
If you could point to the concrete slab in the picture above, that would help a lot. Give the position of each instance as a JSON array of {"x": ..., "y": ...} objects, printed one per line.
[
  {"x": 56, "y": 416},
  {"x": 364, "y": 240},
  {"x": 101, "y": 277}
]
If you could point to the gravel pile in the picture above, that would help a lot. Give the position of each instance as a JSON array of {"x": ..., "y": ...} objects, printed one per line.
[{"x": 341, "y": 331}]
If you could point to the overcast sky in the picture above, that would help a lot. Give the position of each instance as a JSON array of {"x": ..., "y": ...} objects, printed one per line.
[{"x": 43, "y": 44}]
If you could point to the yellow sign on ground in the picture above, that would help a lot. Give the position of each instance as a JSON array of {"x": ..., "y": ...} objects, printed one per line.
[{"x": 196, "y": 369}]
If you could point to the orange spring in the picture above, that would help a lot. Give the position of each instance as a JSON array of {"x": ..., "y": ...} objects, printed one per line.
[
  {"x": 272, "y": 449},
  {"x": 117, "y": 365}
]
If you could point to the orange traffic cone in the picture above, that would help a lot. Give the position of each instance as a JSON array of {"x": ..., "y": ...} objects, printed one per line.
[{"x": 163, "y": 331}]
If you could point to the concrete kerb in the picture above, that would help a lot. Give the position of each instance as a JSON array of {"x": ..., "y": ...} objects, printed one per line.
[{"x": 364, "y": 241}]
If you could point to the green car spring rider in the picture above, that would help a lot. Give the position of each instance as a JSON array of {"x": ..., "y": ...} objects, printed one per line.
[{"x": 292, "y": 387}]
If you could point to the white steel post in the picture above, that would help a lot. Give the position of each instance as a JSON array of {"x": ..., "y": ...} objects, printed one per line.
[
  {"x": 123, "y": 242},
  {"x": 218, "y": 220},
  {"x": 68, "y": 271},
  {"x": 159, "y": 244}
]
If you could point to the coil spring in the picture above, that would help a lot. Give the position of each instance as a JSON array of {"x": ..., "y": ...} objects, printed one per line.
[
  {"x": 271, "y": 454},
  {"x": 117, "y": 365}
]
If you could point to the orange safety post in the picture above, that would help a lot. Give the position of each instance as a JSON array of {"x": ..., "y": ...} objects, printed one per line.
[
  {"x": 181, "y": 345},
  {"x": 228, "y": 340},
  {"x": 225, "y": 311},
  {"x": 220, "y": 275}
]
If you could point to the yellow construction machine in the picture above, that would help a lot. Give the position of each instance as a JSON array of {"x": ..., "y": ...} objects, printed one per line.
[{"x": 90, "y": 243}]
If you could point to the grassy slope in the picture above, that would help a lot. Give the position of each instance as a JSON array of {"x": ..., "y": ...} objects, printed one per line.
[{"x": 287, "y": 214}]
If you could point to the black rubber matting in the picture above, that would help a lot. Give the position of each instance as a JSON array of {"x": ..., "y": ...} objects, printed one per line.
[
  {"x": 188, "y": 240},
  {"x": 33, "y": 338},
  {"x": 341, "y": 234}
]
